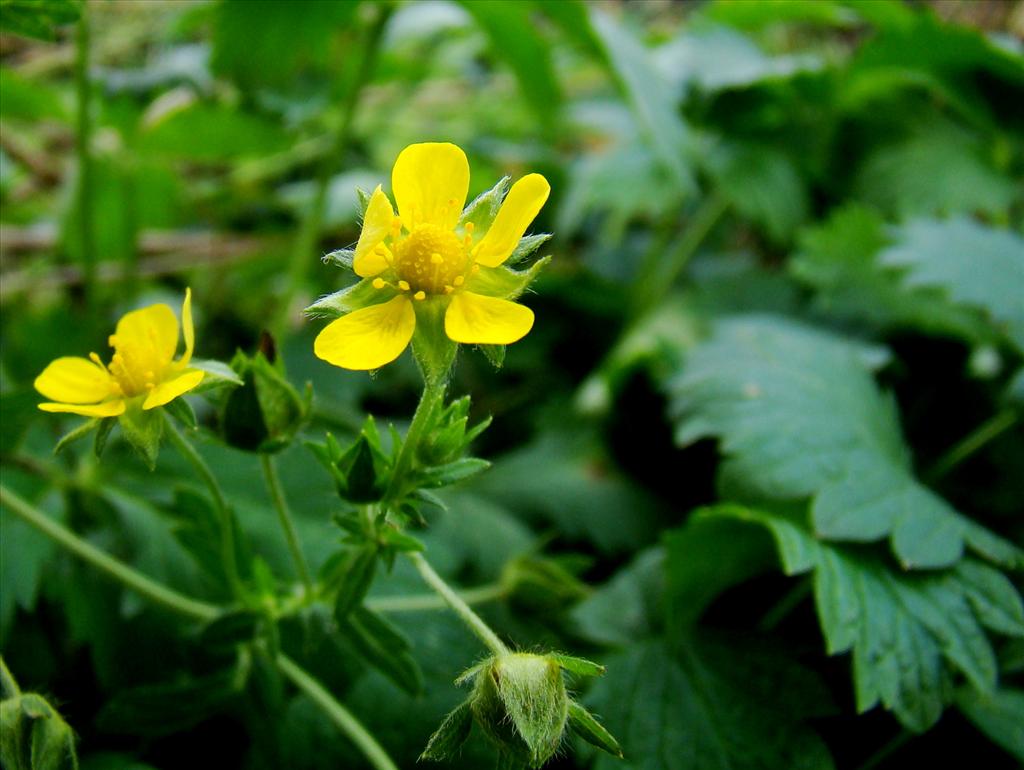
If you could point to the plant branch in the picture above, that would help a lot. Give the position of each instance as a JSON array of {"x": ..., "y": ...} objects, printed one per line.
[
  {"x": 458, "y": 604},
  {"x": 491, "y": 592},
  {"x": 340, "y": 715},
  {"x": 186, "y": 450},
  {"x": 155, "y": 592},
  {"x": 287, "y": 523},
  {"x": 984, "y": 433}
]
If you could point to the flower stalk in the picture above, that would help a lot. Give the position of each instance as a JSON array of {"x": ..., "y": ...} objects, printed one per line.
[{"x": 287, "y": 523}]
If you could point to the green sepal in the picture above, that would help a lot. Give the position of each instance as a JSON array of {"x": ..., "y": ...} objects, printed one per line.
[
  {"x": 449, "y": 737},
  {"x": 354, "y": 297},
  {"x": 352, "y": 579},
  {"x": 364, "y": 201},
  {"x": 451, "y": 473},
  {"x": 340, "y": 257},
  {"x": 583, "y": 723},
  {"x": 218, "y": 374},
  {"x": 448, "y": 436},
  {"x": 266, "y": 412},
  {"x": 495, "y": 354},
  {"x": 484, "y": 208},
  {"x": 504, "y": 282},
  {"x": 359, "y": 472},
  {"x": 102, "y": 434},
  {"x": 33, "y": 736},
  {"x": 181, "y": 410},
  {"x": 433, "y": 350},
  {"x": 198, "y": 527},
  {"x": 527, "y": 245},
  {"x": 142, "y": 428},
  {"x": 385, "y": 647},
  {"x": 397, "y": 540},
  {"x": 578, "y": 666},
  {"x": 428, "y": 497},
  {"x": 76, "y": 433}
]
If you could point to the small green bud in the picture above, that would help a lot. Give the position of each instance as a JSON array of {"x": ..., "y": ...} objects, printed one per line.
[
  {"x": 264, "y": 414},
  {"x": 520, "y": 701}
]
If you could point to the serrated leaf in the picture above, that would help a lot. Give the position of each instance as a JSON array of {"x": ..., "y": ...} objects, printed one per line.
[
  {"x": 799, "y": 416},
  {"x": 589, "y": 729},
  {"x": 908, "y": 632},
  {"x": 712, "y": 705},
  {"x": 976, "y": 265},
  {"x": 353, "y": 580}
]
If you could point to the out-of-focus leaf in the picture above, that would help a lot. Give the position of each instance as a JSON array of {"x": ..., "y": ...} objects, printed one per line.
[
  {"x": 24, "y": 552},
  {"x": 907, "y": 632},
  {"x": 628, "y": 607},
  {"x": 937, "y": 171},
  {"x": 515, "y": 38},
  {"x": 650, "y": 98},
  {"x": 753, "y": 14},
  {"x": 1000, "y": 715},
  {"x": 268, "y": 44},
  {"x": 211, "y": 133},
  {"x": 799, "y": 416},
  {"x": 839, "y": 259},
  {"x": 977, "y": 266},
  {"x": 27, "y": 99},
  {"x": 37, "y": 18},
  {"x": 110, "y": 761},
  {"x": 709, "y": 705}
]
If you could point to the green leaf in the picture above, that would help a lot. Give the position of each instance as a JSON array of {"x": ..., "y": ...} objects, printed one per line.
[
  {"x": 908, "y": 631},
  {"x": 799, "y": 415},
  {"x": 648, "y": 95},
  {"x": 28, "y": 99},
  {"x": 627, "y": 608},
  {"x": 514, "y": 38},
  {"x": 977, "y": 266},
  {"x": 449, "y": 737},
  {"x": 451, "y": 473},
  {"x": 211, "y": 133},
  {"x": 589, "y": 729},
  {"x": 1000, "y": 715},
  {"x": 198, "y": 527},
  {"x": 838, "y": 258},
  {"x": 230, "y": 629},
  {"x": 383, "y": 646},
  {"x": 353, "y": 579},
  {"x": 37, "y": 18},
  {"x": 709, "y": 705}
]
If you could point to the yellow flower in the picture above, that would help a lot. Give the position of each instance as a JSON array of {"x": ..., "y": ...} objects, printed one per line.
[
  {"x": 424, "y": 256},
  {"x": 142, "y": 369}
]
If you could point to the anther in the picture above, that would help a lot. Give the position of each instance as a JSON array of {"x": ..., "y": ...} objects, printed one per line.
[
  {"x": 470, "y": 227},
  {"x": 459, "y": 280},
  {"x": 448, "y": 289},
  {"x": 420, "y": 295},
  {"x": 476, "y": 269},
  {"x": 436, "y": 258},
  {"x": 403, "y": 285},
  {"x": 94, "y": 357},
  {"x": 379, "y": 283}
]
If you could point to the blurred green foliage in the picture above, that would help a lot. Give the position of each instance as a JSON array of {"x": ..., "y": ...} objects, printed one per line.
[{"x": 769, "y": 412}]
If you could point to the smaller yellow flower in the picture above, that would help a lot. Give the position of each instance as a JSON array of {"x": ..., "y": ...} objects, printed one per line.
[
  {"x": 424, "y": 260},
  {"x": 142, "y": 369}
]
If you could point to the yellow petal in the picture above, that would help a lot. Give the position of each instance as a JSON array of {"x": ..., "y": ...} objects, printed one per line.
[
  {"x": 187, "y": 329},
  {"x": 376, "y": 226},
  {"x": 170, "y": 389},
  {"x": 368, "y": 338},
  {"x": 522, "y": 204},
  {"x": 147, "y": 339},
  {"x": 74, "y": 380},
  {"x": 106, "y": 409},
  {"x": 430, "y": 182},
  {"x": 476, "y": 319}
]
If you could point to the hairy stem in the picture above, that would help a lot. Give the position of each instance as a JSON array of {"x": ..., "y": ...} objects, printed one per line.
[
  {"x": 433, "y": 395},
  {"x": 984, "y": 433},
  {"x": 491, "y": 592},
  {"x": 458, "y": 605},
  {"x": 227, "y": 525},
  {"x": 312, "y": 223},
  {"x": 340, "y": 715},
  {"x": 136, "y": 581},
  {"x": 193, "y": 608},
  {"x": 287, "y": 523}
]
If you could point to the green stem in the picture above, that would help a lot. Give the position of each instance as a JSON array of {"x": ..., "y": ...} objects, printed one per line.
[
  {"x": 85, "y": 199},
  {"x": 341, "y": 716},
  {"x": 789, "y": 602},
  {"x": 897, "y": 742},
  {"x": 660, "y": 273},
  {"x": 453, "y": 600},
  {"x": 155, "y": 592},
  {"x": 312, "y": 223},
  {"x": 491, "y": 592},
  {"x": 984, "y": 433},
  {"x": 8, "y": 684},
  {"x": 433, "y": 395},
  {"x": 162, "y": 595},
  {"x": 186, "y": 450},
  {"x": 287, "y": 524}
]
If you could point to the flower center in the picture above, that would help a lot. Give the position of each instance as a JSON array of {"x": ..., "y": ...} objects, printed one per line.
[
  {"x": 136, "y": 367},
  {"x": 431, "y": 259}
]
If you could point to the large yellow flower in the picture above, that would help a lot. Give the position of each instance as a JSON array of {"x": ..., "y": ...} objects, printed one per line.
[
  {"x": 142, "y": 368},
  {"x": 424, "y": 255}
]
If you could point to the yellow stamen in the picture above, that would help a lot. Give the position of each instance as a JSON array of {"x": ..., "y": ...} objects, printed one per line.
[
  {"x": 379, "y": 283},
  {"x": 470, "y": 227},
  {"x": 420, "y": 295},
  {"x": 436, "y": 259},
  {"x": 404, "y": 285},
  {"x": 459, "y": 280},
  {"x": 448, "y": 289}
]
